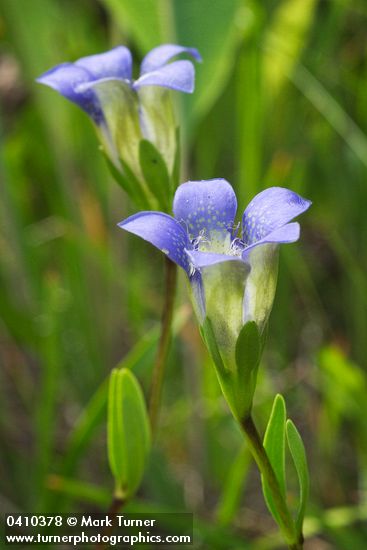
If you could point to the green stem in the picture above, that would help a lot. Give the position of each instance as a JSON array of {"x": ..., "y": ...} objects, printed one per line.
[
  {"x": 261, "y": 458},
  {"x": 115, "y": 507},
  {"x": 161, "y": 357}
]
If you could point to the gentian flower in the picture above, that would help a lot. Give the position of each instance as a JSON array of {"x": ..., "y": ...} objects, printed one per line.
[
  {"x": 232, "y": 270},
  {"x": 126, "y": 111}
]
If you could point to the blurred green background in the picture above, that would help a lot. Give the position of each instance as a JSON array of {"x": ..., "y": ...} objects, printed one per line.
[{"x": 280, "y": 100}]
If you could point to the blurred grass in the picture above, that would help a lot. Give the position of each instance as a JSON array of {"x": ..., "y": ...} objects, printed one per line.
[{"x": 280, "y": 100}]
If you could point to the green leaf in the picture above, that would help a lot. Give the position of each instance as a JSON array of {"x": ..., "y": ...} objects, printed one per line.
[
  {"x": 155, "y": 173},
  {"x": 274, "y": 444},
  {"x": 128, "y": 431},
  {"x": 248, "y": 353},
  {"x": 298, "y": 453},
  {"x": 91, "y": 418}
]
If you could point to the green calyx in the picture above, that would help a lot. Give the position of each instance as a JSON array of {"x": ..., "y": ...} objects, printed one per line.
[
  {"x": 261, "y": 284},
  {"x": 239, "y": 383},
  {"x": 224, "y": 286},
  {"x": 140, "y": 141}
]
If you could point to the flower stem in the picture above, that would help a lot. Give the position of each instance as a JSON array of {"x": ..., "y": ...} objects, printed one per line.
[
  {"x": 162, "y": 352},
  {"x": 115, "y": 507},
  {"x": 258, "y": 452}
]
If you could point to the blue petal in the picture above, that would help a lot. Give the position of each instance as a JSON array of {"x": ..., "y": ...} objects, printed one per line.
[
  {"x": 270, "y": 210},
  {"x": 114, "y": 63},
  {"x": 205, "y": 259},
  {"x": 179, "y": 75},
  {"x": 162, "y": 54},
  {"x": 205, "y": 206},
  {"x": 289, "y": 233},
  {"x": 65, "y": 79},
  {"x": 162, "y": 231}
]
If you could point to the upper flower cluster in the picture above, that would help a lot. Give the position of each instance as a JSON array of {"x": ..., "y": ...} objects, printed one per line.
[
  {"x": 128, "y": 113},
  {"x": 77, "y": 81}
]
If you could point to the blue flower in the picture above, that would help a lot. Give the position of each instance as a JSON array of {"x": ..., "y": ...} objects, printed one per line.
[
  {"x": 127, "y": 110},
  {"x": 232, "y": 269},
  {"x": 76, "y": 81}
]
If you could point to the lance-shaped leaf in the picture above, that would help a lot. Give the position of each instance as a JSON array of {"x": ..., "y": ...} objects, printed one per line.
[
  {"x": 298, "y": 453},
  {"x": 248, "y": 352},
  {"x": 128, "y": 432},
  {"x": 274, "y": 444}
]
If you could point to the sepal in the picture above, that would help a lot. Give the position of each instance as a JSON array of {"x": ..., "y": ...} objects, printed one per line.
[
  {"x": 127, "y": 181},
  {"x": 139, "y": 186},
  {"x": 238, "y": 384},
  {"x": 155, "y": 173},
  {"x": 225, "y": 376},
  {"x": 248, "y": 355}
]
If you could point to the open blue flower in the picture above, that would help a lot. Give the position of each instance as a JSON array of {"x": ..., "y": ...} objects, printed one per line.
[
  {"x": 125, "y": 110},
  {"x": 232, "y": 269}
]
